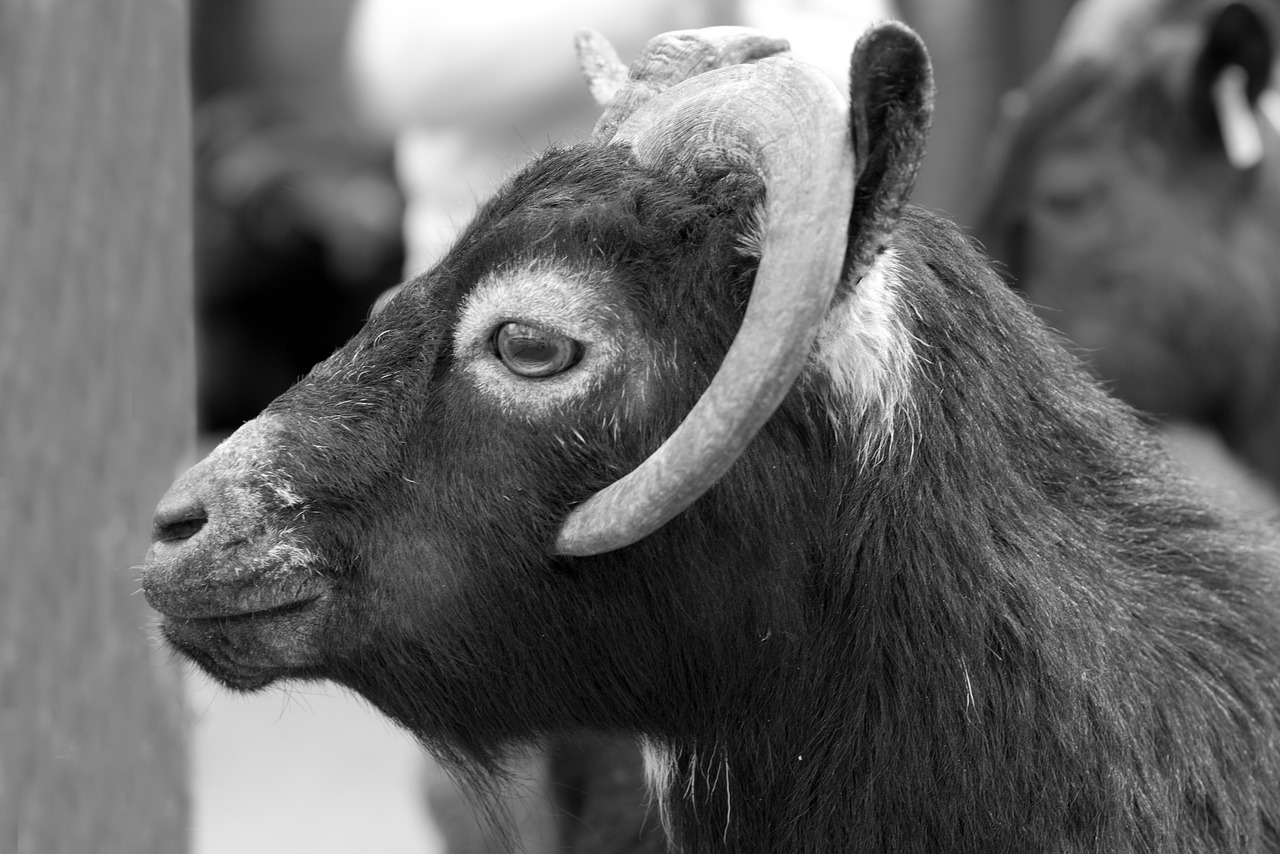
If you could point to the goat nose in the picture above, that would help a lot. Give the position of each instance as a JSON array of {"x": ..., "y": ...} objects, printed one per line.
[{"x": 180, "y": 516}]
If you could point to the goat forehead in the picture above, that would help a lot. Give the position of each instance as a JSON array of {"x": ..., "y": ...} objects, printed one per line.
[{"x": 551, "y": 295}]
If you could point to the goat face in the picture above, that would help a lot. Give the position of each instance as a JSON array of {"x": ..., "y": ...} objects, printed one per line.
[
  {"x": 414, "y": 483},
  {"x": 397, "y": 521}
]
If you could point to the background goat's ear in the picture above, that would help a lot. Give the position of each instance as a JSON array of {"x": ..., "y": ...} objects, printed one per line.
[
  {"x": 891, "y": 94},
  {"x": 1230, "y": 72}
]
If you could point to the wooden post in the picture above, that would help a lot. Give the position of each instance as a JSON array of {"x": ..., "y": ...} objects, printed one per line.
[{"x": 96, "y": 414}]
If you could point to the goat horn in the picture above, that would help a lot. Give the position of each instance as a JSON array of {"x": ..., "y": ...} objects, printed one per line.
[
  {"x": 605, "y": 72},
  {"x": 787, "y": 121},
  {"x": 665, "y": 61}
]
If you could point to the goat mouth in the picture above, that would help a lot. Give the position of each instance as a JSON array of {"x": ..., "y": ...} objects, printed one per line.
[
  {"x": 237, "y": 599},
  {"x": 222, "y": 658},
  {"x": 246, "y": 643},
  {"x": 240, "y": 611}
]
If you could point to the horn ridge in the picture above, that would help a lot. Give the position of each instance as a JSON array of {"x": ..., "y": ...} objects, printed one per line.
[
  {"x": 790, "y": 121},
  {"x": 666, "y": 60}
]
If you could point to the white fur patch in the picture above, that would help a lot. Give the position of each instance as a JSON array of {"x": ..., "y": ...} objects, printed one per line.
[
  {"x": 867, "y": 351},
  {"x": 247, "y": 478},
  {"x": 286, "y": 555},
  {"x": 661, "y": 772},
  {"x": 282, "y": 488},
  {"x": 547, "y": 296},
  {"x": 751, "y": 241},
  {"x": 660, "y": 776}
]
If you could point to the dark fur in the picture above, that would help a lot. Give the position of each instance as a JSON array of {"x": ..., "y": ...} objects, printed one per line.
[
  {"x": 1015, "y": 630},
  {"x": 1113, "y": 206}
]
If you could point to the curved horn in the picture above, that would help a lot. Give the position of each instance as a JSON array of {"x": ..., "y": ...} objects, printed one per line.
[
  {"x": 665, "y": 61},
  {"x": 788, "y": 121}
]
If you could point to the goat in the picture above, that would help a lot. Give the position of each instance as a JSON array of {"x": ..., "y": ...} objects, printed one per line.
[
  {"x": 1135, "y": 197},
  {"x": 700, "y": 434}
]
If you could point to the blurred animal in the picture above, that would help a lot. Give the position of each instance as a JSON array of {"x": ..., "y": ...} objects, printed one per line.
[
  {"x": 297, "y": 232},
  {"x": 699, "y": 434},
  {"x": 1134, "y": 197}
]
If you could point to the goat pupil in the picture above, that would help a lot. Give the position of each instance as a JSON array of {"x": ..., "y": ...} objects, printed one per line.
[{"x": 533, "y": 352}]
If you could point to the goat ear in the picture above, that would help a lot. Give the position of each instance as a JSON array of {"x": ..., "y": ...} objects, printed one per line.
[
  {"x": 891, "y": 95},
  {"x": 1230, "y": 73}
]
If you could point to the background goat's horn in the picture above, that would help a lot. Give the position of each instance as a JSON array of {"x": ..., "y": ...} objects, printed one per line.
[
  {"x": 789, "y": 122},
  {"x": 665, "y": 61}
]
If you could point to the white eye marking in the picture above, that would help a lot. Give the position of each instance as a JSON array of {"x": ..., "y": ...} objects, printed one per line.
[{"x": 577, "y": 332}]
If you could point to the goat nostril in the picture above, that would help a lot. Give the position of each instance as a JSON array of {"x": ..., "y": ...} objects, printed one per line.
[{"x": 178, "y": 522}]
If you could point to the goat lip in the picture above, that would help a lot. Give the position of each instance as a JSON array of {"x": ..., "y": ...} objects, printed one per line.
[
  {"x": 236, "y": 602},
  {"x": 244, "y": 612}
]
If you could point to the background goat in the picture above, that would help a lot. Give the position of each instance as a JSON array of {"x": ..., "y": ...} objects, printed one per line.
[
  {"x": 903, "y": 579},
  {"x": 297, "y": 234},
  {"x": 1135, "y": 198}
]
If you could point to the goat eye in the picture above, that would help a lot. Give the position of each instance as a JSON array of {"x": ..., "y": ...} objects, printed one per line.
[{"x": 531, "y": 352}]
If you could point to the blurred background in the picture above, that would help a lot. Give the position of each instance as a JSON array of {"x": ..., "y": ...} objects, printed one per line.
[{"x": 1116, "y": 157}]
